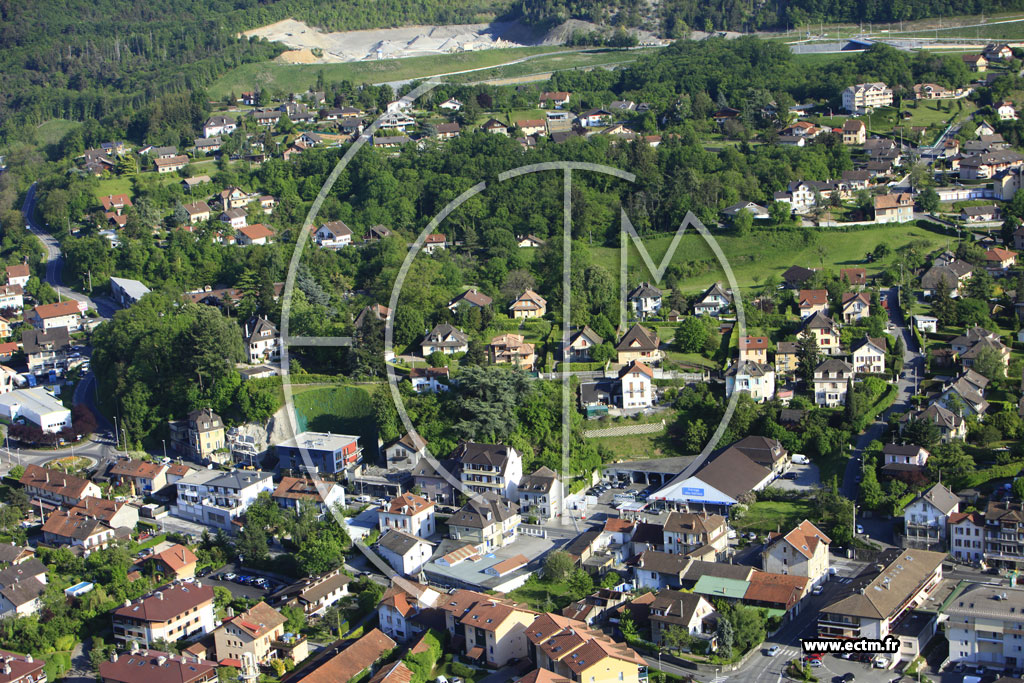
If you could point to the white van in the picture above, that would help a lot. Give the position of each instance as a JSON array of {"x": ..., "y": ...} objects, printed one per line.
[{"x": 800, "y": 459}]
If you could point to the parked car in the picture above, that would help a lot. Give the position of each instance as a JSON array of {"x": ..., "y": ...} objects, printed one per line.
[
  {"x": 229, "y": 576},
  {"x": 860, "y": 529},
  {"x": 817, "y": 589}
]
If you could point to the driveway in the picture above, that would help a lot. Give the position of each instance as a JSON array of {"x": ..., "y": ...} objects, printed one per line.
[{"x": 806, "y": 477}]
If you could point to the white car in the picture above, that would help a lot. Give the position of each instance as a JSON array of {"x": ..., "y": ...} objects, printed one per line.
[
  {"x": 442, "y": 679},
  {"x": 773, "y": 651},
  {"x": 817, "y": 589}
]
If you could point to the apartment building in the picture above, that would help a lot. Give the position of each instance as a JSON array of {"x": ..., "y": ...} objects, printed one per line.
[
  {"x": 801, "y": 552},
  {"x": 925, "y": 518},
  {"x": 171, "y": 613},
  {"x": 315, "y": 594},
  {"x": 489, "y": 468},
  {"x": 540, "y": 494},
  {"x": 831, "y": 382},
  {"x": 217, "y": 498},
  {"x": 319, "y": 452},
  {"x": 967, "y": 536},
  {"x": 495, "y": 632},
  {"x": 1004, "y": 535},
  {"x": 254, "y": 632},
  {"x": 689, "y": 532},
  {"x": 879, "y": 597},
  {"x": 985, "y": 627},
  {"x": 859, "y": 98},
  {"x": 409, "y": 513},
  {"x": 199, "y": 436},
  {"x": 488, "y": 522},
  {"x": 572, "y": 650},
  {"x": 53, "y": 486}
]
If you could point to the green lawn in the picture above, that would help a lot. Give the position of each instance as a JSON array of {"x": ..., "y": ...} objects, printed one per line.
[
  {"x": 298, "y": 77},
  {"x": 538, "y": 594},
  {"x": 339, "y": 410},
  {"x": 544, "y": 65},
  {"x": 766, "y": 516},
  {"x": 1006, "y": 31},
  {"x": 118, "y": 185},
  {"x": 768, "y": 254},
  {"x": 50, "y": 132}
]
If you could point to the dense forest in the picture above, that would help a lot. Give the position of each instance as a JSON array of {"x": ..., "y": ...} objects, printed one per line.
[{"x": 675, "y": 18}]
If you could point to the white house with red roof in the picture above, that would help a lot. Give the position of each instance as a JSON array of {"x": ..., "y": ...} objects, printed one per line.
[
  {"x": 18, "y": 274},
  {"x": 60, "y": 314},
  {"x": 256, "y": 233},
  {"x": 409, "y": 513},
  {"x": 801, "y": 552},
  {"x": 635, "y": 386},
  {"x": 435, "y": 241}
]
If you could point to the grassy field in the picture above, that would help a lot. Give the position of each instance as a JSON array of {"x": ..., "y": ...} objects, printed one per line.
[
  {"x": 299, "y": 77},
  {"x": 755, "y": 258},
  {"x": 537, "y": 594},
  {"x": 50, "y": 132},
  {"x": 542, "y": 65},
  {"x": 118, "y": 185},
  {"x": 339, "y": 410},
  {"x": 1010, "y": 30},
  {"x": 766, "y": 516}
]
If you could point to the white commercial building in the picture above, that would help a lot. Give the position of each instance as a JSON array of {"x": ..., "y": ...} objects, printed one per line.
[
  {"x": 35, "y": 406},
  {"x": 216, "y": 498}
]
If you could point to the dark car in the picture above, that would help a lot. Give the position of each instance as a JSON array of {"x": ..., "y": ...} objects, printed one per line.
[{"x": 848, "y": 677}]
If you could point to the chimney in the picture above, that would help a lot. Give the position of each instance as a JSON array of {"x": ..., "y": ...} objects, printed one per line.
[
  {"x": 113, "y": 656},
  {"x": 28, "y": 659},
  {"x": 161, "y": 660},
  {"x": 159, "y": 595},
  {"x": 230, "y": 612}
]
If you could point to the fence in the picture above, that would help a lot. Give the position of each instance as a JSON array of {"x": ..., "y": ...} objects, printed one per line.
[{"x": 533, "y": 530}]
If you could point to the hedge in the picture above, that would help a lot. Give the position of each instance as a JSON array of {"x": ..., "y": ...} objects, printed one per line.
[
  {"x": 887, "y": 399},
  {"x": 979, "y": 477}
]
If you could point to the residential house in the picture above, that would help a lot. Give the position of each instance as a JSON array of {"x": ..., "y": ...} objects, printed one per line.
[
  {"x": 488, "y": 522},
  {"x": 754, "y": 349},
  {"x": 377, "y": 232},
  {"x": 293, "y": 493},
  {"x": 189, "y": 184},
  {"x": 409, "y": 513},
  {"x": 45, "y": 351},
  {"x": 345, "y": 660},
  {"x": 21, "y": 668},
  {"x": 22, "y": 587},
  {"x": 19, "y": 274},
  {"x": 233, "y": 198},
  {"x": 512, "y": 349},
  {"x": 172, "y": 164},
  {"x": 496, "y": 632},
  {"x": 687, "y": 533},
  {"x": 795, "y": 277},
  {"x": 11, "y": 554},
  {"x": 451, "y": 104},
  {"x": 333, "y": 235},
  {"x": 964, "y": 395},
  {"x": 495, "y": 126},
  {"x": 581, "y": 345},
  {"x": 926, "y": 323},
  {"x": 981, "y": 625},
  {"x": 905, "y": 461},
  {"x": 377, "y": 311},
  {"x": 854, "y": 132},
  {"x": 574, "y": 652},
  {"x": 861, "y": 98},
  {"x": 446, "y": 339},
  {"x": 315, "y": 594},
  {"x": 529, "y": 304},
  {"x": 472, "y": 298},
  {"x": 856, "y": 180},
  {"x": 177, "y": 562},
  {"x": 715, "y": 300},
  {"x": 926, "y": 517},
  {"x": 951, "y": 426},
  {"x": 976, "y": 63},
  {"x": 969, "y": 355},
  {"x": 198, "y": 436},
  {"x": 556, "y": 100},
  {"x": 404, "y": 552},
  {"x": 392, "y": 142},
  {"x": 430, "y": 380},
  {"x": 1005, "y": 110},
  {"x": 803, "y": 551},
  {"x": 594, "y": 118},
  {"x": 251, "y": 633},
  {"x": 540, "y": 495},
  {"x": 530, "y": 127},
  {"x": 56, "y": 487},
  {"x": 985, "y": 166},
  {"x": 65, "y": 314},
  {"x": 756, "y": 210},
  {"x": 753, "y": 378},
  {"x": 980, "y": 214},
  {"x": 145, "y": 666},
  {"x": 868, "y": 355},
  {"x": 639, "y": 344},
  {"x": 489, "y": 468},
  {"x": 856, "y": 306},
  {"x": 811, "y": 301},
  {"x": 262, "y": 341},
  {"x": 438, "y": 482},
  {"x": 831, "y": 381},
  {"x": 197, "y": 212},
  {"x": 635, "y": 386},
  {"x": 529, "y": 242},
  {"x": 236, "y": 218},
  {"x": 951, "y": 275},
  {"x": 257, "y": 233},
  {"x": 894, "y": 208},
  {"x": 219, "y": 125},
  {"x": 319, "y": 452},
  {"x": 967, "y": 536},
  {"x": 645, "y": 300},
  {"x": 208, "y": 145},
  {"x": 171, "y": 613},
  {"x": 1004, "y": 535},
  {"x": 999, "y": 260},
  {"x": 786, "y": 358},
  {"x": 82, "y": 535},
  {"x": 693, "y": 613},
  {"x": 116, "y": 203},
  {"x": 825, "y": 332},
  {"x": 434, "y": 242},
  {"x": 144, "y": 477},
  {"x": 877, "y": 599},
  {"x": 217, "y": 499}
]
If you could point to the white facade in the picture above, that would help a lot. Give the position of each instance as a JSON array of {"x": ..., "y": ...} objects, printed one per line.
[
  {"x": 410, "y": 558},
  {"x": 35, "y": 406},
  {"x": 753, "y": 378},
  {"x": 636, "y": 387},
  {"x": 984, "y": 627},
  {"x": 858, "y": 99},
  {"x": 967, "y": 537},
  {"x": 216, "y": 498},
  {"x": 409, "y": 513},
  {"x": 869, "y": 358}
]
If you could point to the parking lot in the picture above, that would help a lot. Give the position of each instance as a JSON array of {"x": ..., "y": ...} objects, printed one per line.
[
  {"x": 240, "y": 590},
  {"x": 799, "y": 477}
]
